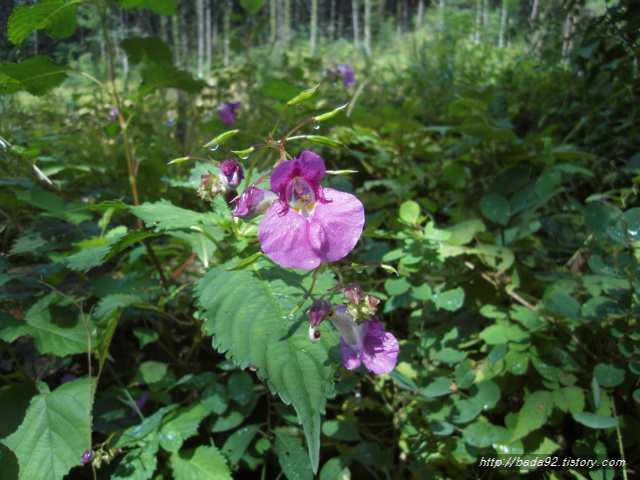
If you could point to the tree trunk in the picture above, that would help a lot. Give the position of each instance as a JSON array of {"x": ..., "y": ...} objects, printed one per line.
[
  {"x": 479, "y": 16},
  {"x": 314, "y": 27},
  {"x": 367, "y": 27},
  {"x": 420, "y": 14},
  {"x": 567, "y": 42},
  {"x": 441, "y": 17},
  {"x": 332, "y": 20},
  {"x": 356, "y": 24},
  {"x": 226, "y": 27},
  {"x": 200, "y": 21},
  {"x": 273, "y": 21},
  {"x": 504, "y": 21},
  {"x": 208, "y": 50}
]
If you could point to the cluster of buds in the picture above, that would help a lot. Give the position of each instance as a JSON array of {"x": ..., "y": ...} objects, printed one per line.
[
  {"x": 228, "y": 179},
  {"x": 362, "y": 340},
  {"x": 99, "y": 457},
  {"x": 361, "y": 305}
]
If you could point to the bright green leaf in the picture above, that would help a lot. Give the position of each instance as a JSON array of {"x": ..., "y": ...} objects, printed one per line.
[
  {"x": 292, "y": 457},
  {"x": 608, "y": 375},
  {"x": 569, "y": 399},
  {"x": 480, "y": 434},
  {"x": 54, "y": 433},
  {"x": 409, "y": 212},
  {"x": 533, "y": 414},
  {"x": 58, "y": 18},
  {"x": 238, "y": 442},
  {"x": 592, "y": 420},
  {"x": 450, "y": 300}
]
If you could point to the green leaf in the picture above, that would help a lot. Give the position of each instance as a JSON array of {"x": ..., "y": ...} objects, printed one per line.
[
  {"x": 592, "y": 420},
  {"x": 152, "y": 371},
  {"x": 240, "y": 387},
  {"x": 238, "y": 442},
  {"x": 186, "y": 420},
  {"x": 37, "y": 75},
  {"x": 58, "y": 18},
  {"x": 148, "y": 50},
  {"x": 165, "y": 7},
  {"x": 252, "y": 6},
  {"x": 203, "y": 463},
  {"x": 139, "y": 463},
  {"x": 292, "y": 457},
  {"x": 438, "y": 387},
  {"x": 397, "y": 286},
  {"x": 164, "y": 75},
  {"x": 336, "y": 468},
  {"x": 163, "y": 215},
  {"x": 608, "y": 375},
  {"x": 569, "y": 399},
  {"x": 450, "y": 300},
  {"x": 103, "y": 249},
  {"x": 563, "y": 304},
  {"x": 496, "y": 208},
  {"x": 54, "y": 433},
  {"x": 56, "y": 326},
  {"x": 533, "y": 414},
  {"x": 117, "y": 301},
  {"x": 409, "y": 212},
  {"x": 170, "y": 438},
  {"x": 516, "y": 362},
  {"x": 247, "y": 316},
  {"x": 340, "y": 429},
  {"x": 486, "y": 394},
  {"x": 480, "y": 434}
]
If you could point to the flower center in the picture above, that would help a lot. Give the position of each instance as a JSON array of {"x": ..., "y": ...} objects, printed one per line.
[{"x": 300, "y": 196}]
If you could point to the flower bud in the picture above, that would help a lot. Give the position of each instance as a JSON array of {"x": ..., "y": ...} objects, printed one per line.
[
  {"x": 320, "y": 309},
  {"x": 253, "y": 202},
  {"x": 209, "y": 187},
  {"x": 231, "y": 174},
  {"x": 354, "y": 293},
  {"x": 87, "y": 455}
]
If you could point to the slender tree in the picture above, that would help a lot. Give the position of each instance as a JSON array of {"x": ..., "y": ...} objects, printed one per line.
[
  {"x": 367, "y": 27},
  {"x": 200, "y": 19},
  {"x": 356, "y": 24},
  {"x": 314, "y": 27}
]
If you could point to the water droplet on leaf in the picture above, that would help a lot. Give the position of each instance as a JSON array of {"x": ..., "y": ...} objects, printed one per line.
[
  {"x": 316, "y": 125},
  {"x": 213, "y": 147}
]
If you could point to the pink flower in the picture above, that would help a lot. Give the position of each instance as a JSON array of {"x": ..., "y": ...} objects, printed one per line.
[
  {"x": 366, "y": 343},
  {"x": 227, "y": 112},
  {"x": 308, "y": 224},
  {"x": 231, "y": 174}
]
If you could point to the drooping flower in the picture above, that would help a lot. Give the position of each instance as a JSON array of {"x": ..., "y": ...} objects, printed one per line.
[
  {"x": 308, "y": 224},
  {"x": 366, "y": 343},
  {"x": 227, "y": 112},
  {"x": 253, "y": 202},
  {"x": 231, "y": 174},
  {"x": 113, "y": 114}
]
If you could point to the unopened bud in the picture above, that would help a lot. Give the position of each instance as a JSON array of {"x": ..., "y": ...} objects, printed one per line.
[
  {"x": 87, "y": 455},
  {"x": 231, "y": 174},
  {"x": 209, "y": 187},
  {"x": 354, "y": 293},
  {"x": 320, "y": 309},
  {"x": 252, "y": 203}
]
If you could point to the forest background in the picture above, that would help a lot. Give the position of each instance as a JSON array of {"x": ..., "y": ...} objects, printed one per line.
[{"x": 494, "y": 145}]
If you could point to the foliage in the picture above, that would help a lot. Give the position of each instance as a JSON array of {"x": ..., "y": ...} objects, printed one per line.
[{"x": 145, "y": 325}]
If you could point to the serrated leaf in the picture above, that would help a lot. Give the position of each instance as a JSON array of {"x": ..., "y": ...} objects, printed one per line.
[
  {"x": 56, "y": 326},
  {"x": 139, "y": 463},
  {"x": 56, "y": 17},
  {"x": 54, "y": 433},
  {"x": 96, "y": 255},
  {"x": 247, "y": 315},
  {"x": 292, "y": 458},
  {"x": 165, "y": 7},
  {"x": 203, "y": 463},
  {"x": 186, "y": 420},
  {"x": 37, "y": 75},
  {"x": 238, "y": 442},
  {"x": 111, "y": 303},
  {"x": 163, "y": 215}
]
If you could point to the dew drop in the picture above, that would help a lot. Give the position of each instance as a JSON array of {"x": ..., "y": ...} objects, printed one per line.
[
  {"x": 316, "y": 125},
  {"x": 244, "y": 157},
  {"x": 214, "y": 147}
]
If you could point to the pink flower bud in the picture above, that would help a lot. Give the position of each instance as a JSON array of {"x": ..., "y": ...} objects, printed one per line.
[
  {"x": 87, "y": 455},
  {"x": 320, "y": 309},
  {"x": 231, "y": 174},
  {"x": 253, "y": 202},
  {"x": 354, "y": 293}
]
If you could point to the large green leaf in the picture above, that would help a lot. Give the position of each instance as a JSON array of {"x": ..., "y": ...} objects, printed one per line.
[
  {"x": 57, "y": 17},
  {"x": 165, "y": 7},
  {"x": 247, "y": 314},
  {"x": 55, "y": 432},
  {"x": 163, "y": 75},
  {"x": 37, "y": 75},
  {"x": 163, "y": 215},
  {"x": 148, "y": 50},
  {"x": 203, "y": 463},
  {"x": 55, "y": 325}
]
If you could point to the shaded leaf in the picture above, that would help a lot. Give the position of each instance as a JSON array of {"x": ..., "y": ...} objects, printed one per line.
[
  {"x": 165, "y": 7},
  {"x": 37, "y": 75},
  {"x": 55, "y": 16},
  {"x": 203, "y": 463}
]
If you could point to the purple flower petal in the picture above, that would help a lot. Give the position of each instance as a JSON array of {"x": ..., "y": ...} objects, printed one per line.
[
  {"x": 227, "y": 112},
  {"x": 330, "y": 233},
  {"x": 309, "y": 166},
  {"x": 379, "y": 353}
]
